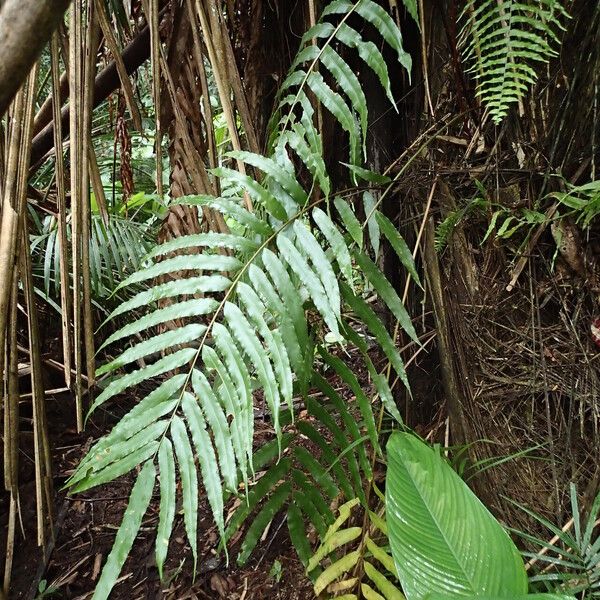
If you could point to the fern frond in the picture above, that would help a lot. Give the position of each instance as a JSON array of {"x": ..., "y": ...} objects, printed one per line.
[
  {"x": 351, "y": 561},
  {"x": 245, "y": 321},
  {"x": 501, "y": 38}
]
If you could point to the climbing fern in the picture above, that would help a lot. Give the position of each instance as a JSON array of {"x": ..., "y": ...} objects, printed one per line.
[
  {"x": 505, "y": 40},
  {"x": 248, "y": 318}
]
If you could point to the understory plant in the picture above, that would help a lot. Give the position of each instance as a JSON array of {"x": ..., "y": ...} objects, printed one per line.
[{"x": 446, "y": 544}]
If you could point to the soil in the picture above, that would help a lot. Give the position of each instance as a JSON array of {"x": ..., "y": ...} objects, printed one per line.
[{"x": 86, "y": 526}]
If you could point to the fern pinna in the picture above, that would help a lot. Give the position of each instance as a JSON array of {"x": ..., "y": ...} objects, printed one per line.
[
  {"x": 245, "y": 326},
  {"x": 504, "y": 39}
]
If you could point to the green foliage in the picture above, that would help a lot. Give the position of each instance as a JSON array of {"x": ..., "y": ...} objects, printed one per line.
[
  {"x": 445, "y": 543},
  {"x": 271, "y": 289},
  {"x": 351, "y": 559},
  {"x": 443, "y": 539},
  {"x": 501, "y": 39},
  {"x": 117, "y": 249},
  {"x": 584, "y": 200},
  {"x": 570, "y": 561}
]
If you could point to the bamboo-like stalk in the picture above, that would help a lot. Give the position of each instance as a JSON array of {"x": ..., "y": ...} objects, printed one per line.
[
  {"x": 41, "y": 445},
  {"x": 152, "y": 16},
  {"x": 65, "y": 299},
  {"x": 11, "y": 433},
  {"x": 11, "y": 397},
  {"x": 75, "y": 150},
  {"x": 208, "y": 113},
  {"x": 11, "y": 211},
  {"x": 89, "y": 72},
  {"x": 213, "y": 41}
]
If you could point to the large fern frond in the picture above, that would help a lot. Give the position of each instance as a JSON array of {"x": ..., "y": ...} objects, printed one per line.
[
  {"x": 245, "y": 323},
  {"x": 506, "y": 41}
]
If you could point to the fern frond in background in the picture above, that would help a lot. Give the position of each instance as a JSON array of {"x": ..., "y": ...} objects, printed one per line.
[
  {"x": 117, "y": 249},
  {"x": 506, "y": 42}
]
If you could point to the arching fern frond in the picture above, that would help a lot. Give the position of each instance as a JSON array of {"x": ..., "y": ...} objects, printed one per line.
[
  {"x": 506, "y": 41},
  {"x": 246, "y": 320}
]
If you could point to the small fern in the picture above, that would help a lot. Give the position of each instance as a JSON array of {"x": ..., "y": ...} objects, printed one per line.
[
  {"x": 247, "y": 323},
  {"x": 502, "y": 38},
  {"x": 356, "y": 558}
]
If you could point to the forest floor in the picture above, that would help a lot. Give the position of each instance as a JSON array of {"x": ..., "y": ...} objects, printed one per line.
[{"x": 86, "y": 525}]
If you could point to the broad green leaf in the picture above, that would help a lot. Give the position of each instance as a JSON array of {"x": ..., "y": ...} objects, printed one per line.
[
  {"x": 435, "y": 596},
  {"x": 166, "y": 514},
  {"x": 367, "y": 175},
  {"x": 368, "y": 593},
  {"x": 310, "y": 280},
  {"x": 289, "y": 295},
  {"x": 336, "y": 105},
  {"x": 379, "y": 380},
  {"x": 337, "y": 569},
  {"x": 158, "y": 403},
  {"x": 284, "y": 178},
  {"x": 309, "y": 490},
  {"x": 258, "y": 492},
  {"x": 381, "y": 555},
  {"x": 370, "y": 54},
  {"x": 331, "y": 543},
  {"x": 240, "y": 377},
  {"x": 189, "y": 481},
  {"x": 256, "y": 310},
  {"x": 193, "y": 262},
  {"x": 232, "y": 402},
  {"x": 115, "y": 453},
  {"x": 280, "y": 314},
  {"x": 117, "y": 468},
  {"x": 443, "y": 539},
  {"x": 168, "y": 339},
  {"x": 377, "y": 328},
  {"x": 178, "y": 287},
  {"x": 180, "y": 310},
  {"x": 298, "y": 534},
  {"x": 130, "y": 525},
  {"x": 231, "y": 209},
  {"x": 372, "y": 225},
  {"x": 380, "y": 19},
  {"x": 312, "y": 466},
  {"x": 350, "y": 221},
  {"x": 246, "y": 337},
  {"x": 340, "y": 437},
  {"x": 384, "y": 585},
  {"x": 205, "y": 240},
  {"x": 350, "y": 379},
  {"x": 311, "y": 249},
  {"x": 218, "y": 424},
  {"x": 336, "y": 240},
  {"x": 349, "y": 84},
  {"x": 256, "y": 191}
]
